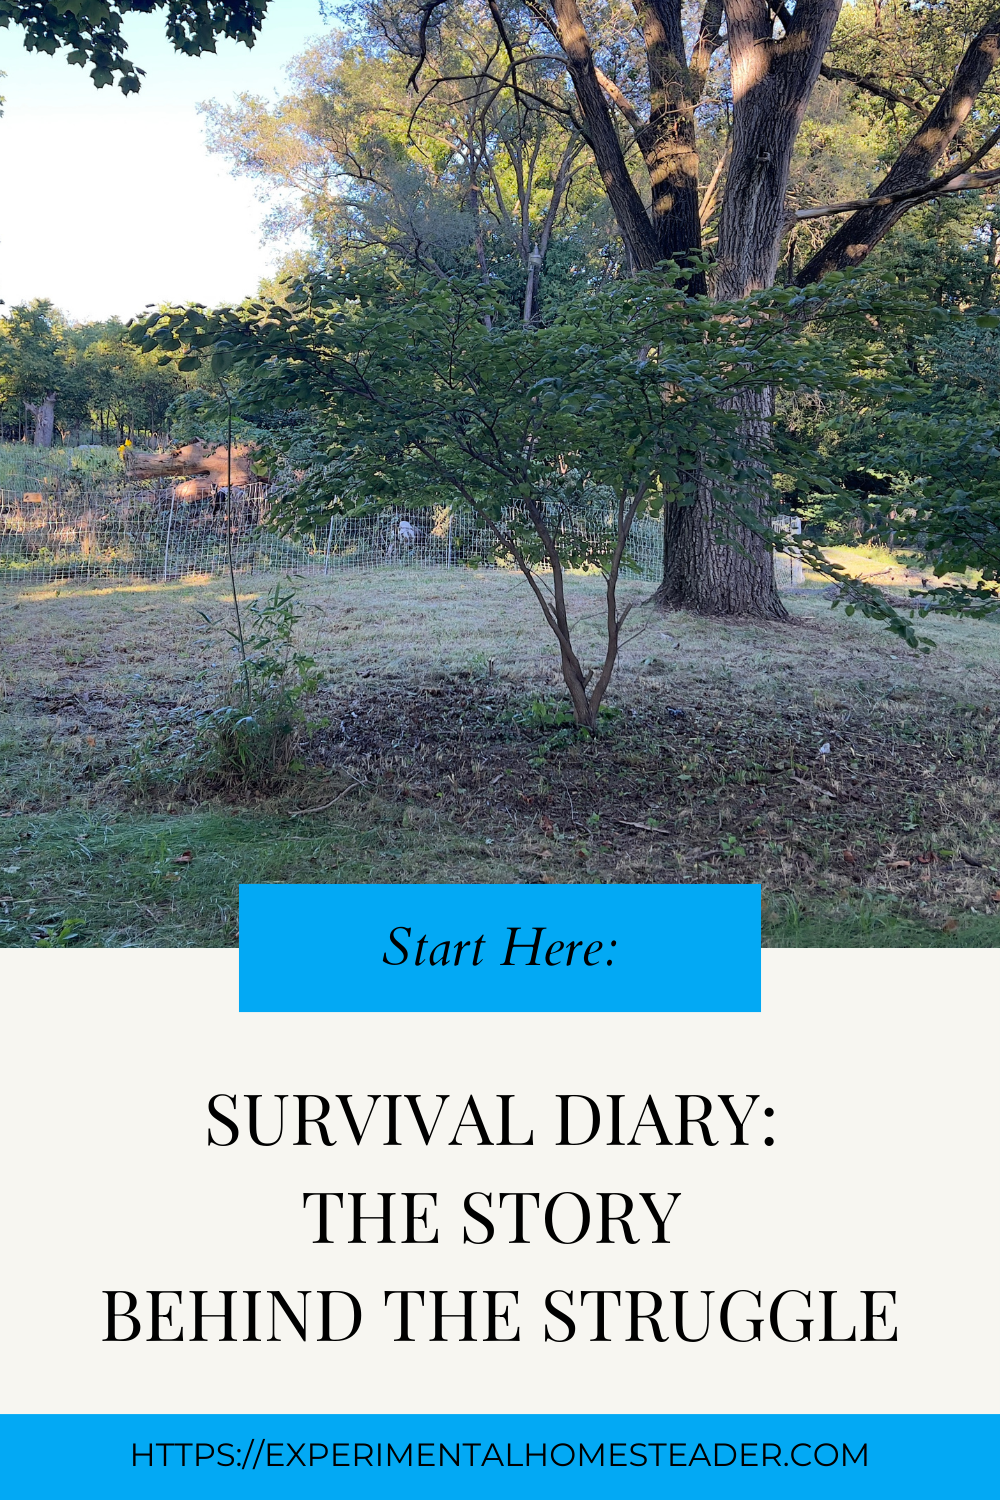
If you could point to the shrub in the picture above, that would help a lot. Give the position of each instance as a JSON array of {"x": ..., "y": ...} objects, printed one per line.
[{"x": 250, "y": 739}]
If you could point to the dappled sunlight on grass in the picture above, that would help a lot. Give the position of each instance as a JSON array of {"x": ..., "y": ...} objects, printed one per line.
[{"x": 58, "y": 590}]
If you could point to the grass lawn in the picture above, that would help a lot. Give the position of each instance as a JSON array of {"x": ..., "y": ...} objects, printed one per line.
[{"x": 438, "y": 755}]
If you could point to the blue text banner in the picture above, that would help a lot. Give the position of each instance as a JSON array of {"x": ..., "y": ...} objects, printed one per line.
[{"x": 435, "y": 948}]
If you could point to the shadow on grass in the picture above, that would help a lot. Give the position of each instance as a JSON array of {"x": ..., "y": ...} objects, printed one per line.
[{"x": 74, "y": 879}]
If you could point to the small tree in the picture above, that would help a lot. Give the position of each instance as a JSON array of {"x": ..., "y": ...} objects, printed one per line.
[
  {"x": 34, "y": 366},
  {"x": 556, "y": 438}
]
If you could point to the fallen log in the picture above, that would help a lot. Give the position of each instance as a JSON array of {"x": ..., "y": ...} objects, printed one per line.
[{"x": 193, "y": 461}]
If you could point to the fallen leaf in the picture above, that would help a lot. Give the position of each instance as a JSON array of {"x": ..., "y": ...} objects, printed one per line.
[
  {"x": 183, "y": 859},
  {"x": 995, "y": 895},
  {"x": 898, "y": 864},
  {"x": 850, "y": 857},
  {"x": 545, "y": 824},
  {"x": 950, "y": 926}
]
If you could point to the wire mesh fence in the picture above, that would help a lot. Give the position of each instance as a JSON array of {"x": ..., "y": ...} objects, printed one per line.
[
  {"x": 84, "y": 521},
  {"x": 85, "y": 530}
]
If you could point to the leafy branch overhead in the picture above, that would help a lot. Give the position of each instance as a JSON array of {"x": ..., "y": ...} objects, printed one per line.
[{"x": 92, "y": 30}]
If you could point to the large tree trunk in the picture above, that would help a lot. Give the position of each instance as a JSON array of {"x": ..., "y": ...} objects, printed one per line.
[
  {"x": 714, "y": 564},
  {"x": 772, "y": 81},
  {"x": 44, "y": 416},
  {"x": 709, "y": 579}
]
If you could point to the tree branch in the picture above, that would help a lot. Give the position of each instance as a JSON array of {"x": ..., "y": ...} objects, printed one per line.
[
  {"x": 711, "y": 193},
  {"x": 615, "y": 94},
  {"x": 425, "y": 15},
  {"x": 708, "y": 41},
  {"x": 853, "y": 241},
  {"x": 633, "y": 222},
  {"x": 844, "y": 75},
  {"x": 964, "y": 183}
]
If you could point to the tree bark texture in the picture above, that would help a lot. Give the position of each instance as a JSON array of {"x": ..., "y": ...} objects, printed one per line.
[
  {"x": 667, "y": 140},
  {"x": 772, "y": 82},
  {"x": 714, "y": 564},
  {"x": 602, "y": 137},
  {"x": 850, "y": 244}
]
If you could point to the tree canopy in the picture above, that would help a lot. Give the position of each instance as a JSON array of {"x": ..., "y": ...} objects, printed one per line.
[{"x": 100, "y": 381}]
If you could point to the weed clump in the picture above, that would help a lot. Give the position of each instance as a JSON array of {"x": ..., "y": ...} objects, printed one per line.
[
  {"x": 557, "y": 721},
  {"x": 250, "y": 740}
]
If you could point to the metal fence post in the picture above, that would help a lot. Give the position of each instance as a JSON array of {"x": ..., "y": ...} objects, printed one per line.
[{"x": 166, "y": 545}]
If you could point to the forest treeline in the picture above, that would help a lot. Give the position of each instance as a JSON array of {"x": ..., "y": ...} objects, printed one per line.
[{"x": 78, "y": 382}]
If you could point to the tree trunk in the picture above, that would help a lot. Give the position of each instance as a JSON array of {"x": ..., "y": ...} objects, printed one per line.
[
  {"x": 707, "y": 578},
  {"x": 667, "y": 140},
  {"x": 44, "y": 417},
  {"x": 772, "y": 84},
  {"x": 772, "y": 80},
  {"x": 713, "y": 564},
  {"x": 601, "y": 136}
]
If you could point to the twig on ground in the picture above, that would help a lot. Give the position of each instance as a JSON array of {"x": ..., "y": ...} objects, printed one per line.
[
  {"x": 627, "y": 823},
  {"x": 298, "y": 812}
]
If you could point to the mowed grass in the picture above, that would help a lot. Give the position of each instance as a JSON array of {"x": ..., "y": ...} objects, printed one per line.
[
  {"x": 437, "y": 755},
  {"x": 130, "y": 880}
]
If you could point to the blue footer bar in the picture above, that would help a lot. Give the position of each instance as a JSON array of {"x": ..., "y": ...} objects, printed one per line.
[{"x": 876, "y": 1456}]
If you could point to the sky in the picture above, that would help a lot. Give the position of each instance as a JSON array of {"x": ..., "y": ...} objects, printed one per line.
[{"x": 111, "y": 201}]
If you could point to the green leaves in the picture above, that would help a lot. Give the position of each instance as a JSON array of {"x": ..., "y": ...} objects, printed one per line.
[
  {"x": 222, "y": 359},
  {"x": 92, "y": 30}
]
